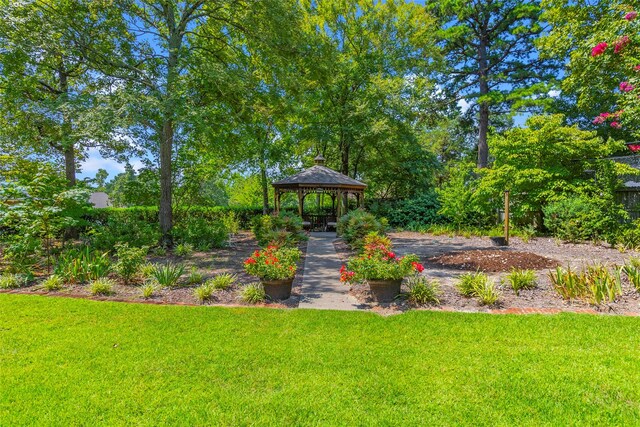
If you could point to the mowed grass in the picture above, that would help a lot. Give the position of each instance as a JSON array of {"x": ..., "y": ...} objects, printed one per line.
[{"x": 79, "y": 362}]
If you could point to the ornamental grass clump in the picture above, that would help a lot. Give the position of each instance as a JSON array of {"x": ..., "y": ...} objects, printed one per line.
[
  {"x": 222, "y": 281},
  {"x": 253, "y": 293},
  {"x": 168, "y": 274},
  {"x": 273, "y": 263},
  {"x": 595, "y": 284},
  {"x": 379, "y": 262},
  {"x": 102, "y": 286},
  {"x": 522, "y": 279},
  {"x": 423, "y": 291},
  {"x": 10, "y": 281},
  {"x": 204, "y": 292},
  {"x": 53, "y": 283}
]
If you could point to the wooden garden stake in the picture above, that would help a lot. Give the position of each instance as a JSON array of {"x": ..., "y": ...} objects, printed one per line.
[{"x": 506, "y": 217}]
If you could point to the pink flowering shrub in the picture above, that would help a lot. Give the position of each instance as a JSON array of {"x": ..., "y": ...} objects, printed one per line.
[{"x": 599, "y": 49}]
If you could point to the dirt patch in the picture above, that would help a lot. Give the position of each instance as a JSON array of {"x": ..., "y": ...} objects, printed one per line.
[{"x": 492, "y": 260}]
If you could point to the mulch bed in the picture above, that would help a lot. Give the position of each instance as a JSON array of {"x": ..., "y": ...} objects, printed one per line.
[{"x": 492, "y": 260}]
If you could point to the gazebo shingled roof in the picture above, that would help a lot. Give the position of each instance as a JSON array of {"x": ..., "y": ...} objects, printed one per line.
[{"x": 319, "y": 178}]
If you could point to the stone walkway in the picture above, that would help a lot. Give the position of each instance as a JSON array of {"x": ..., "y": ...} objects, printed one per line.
[{"x": 321, "y": 287}]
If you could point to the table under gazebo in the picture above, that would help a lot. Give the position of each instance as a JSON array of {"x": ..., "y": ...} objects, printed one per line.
[{"x": 320, "y": 180}]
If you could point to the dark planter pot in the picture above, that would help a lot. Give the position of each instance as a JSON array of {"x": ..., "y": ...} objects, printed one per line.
[
  {"x": 277, "y": 289},
  {"x": 499, "y": 241},
  {"x": 384, "y": 290}
]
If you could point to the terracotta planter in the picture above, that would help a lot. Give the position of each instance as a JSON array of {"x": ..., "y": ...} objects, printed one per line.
[
  {"x": 277, "y": 289},
  {"x": 384, "y": 290}
]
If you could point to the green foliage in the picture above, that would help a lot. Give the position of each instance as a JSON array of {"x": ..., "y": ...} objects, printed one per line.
[
  {"x": 487, "y": 293},
  {"x": 273, "y": 263},
  {"x": 148, "y": 290},
  {"x": 184, "y": 250},
  {"x": 279, "y": 230},
  {"x": 458, "y": 197},
  {"x": 200, "y": 233},
  {"x": 136, "y": 227},
  {"x": 102, "y": 286},
  {"x": 146, "y": 270},
  {"x": 53, "y": 283},
  {"x": 204, "y": 292},
  {"x": 578, "y": 219},
  {"x": 632, "y": 270},
  {"x": 423, "y": 291},
  {"x": 222, "y": 281},
  {"x": 253, "y": 293},
  {"x": 355, "y": 225},
  {"x": 168, "y": 274},
  {"x": 595, "y": 284},
  {"x": 547, "y": 161},
  {"x": 469, "y": 283},
  {"x": 11, "y": 281},
  {"x": 522, "y": 279},
  {"x": 130, "y": 260},
  {"x": 410, "y": 214},
  {"x": 82, "y": 265},
  {"x": 379, "y": 263},
  {"x": 195, "y": 277}
]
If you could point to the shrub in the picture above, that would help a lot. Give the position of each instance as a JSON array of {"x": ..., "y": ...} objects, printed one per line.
[
  {"x": 82, "y": 265},
  {"x": 253, "y": 293},
  {"x": 280, "y": 230},
  {"x": 101, "y": 286},
  {"x": 195, "y": 277},
  {"x": 11, "y": 281},
  {"x": 577, "y": 219},
  {"x": 148, "y": 290},
  {"x": 184, "y": 250},
  {"x": 137, "y": 228},
  {"x": 487, "y": 292},
  {"x": 200, "y": 233},
  {"x": 412, "y": 214},
  {"x": 204, "y": 292},
  {"x": 53, "y": 283},
  {"x": 355, "y": 225},
  {"x": 469, "y": 283},
  {"x": 168, "y": 274},
  {"x": 273, "y": 263},
  {"x": 629, "y": 236},
  {"x": 130, "y": 261},
  {"x": 222, "y": 281},
  {"x": 521, "y": 279},
  {"x": 423, "y": 291}
]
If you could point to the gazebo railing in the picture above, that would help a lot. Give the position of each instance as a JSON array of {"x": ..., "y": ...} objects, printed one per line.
[{"x": 318, "y": 222}]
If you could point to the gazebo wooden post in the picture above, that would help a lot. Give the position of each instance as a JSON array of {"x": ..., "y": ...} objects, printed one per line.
[
  {"x": 276, "y": 200},
  {"x": 300, "y": 201}
]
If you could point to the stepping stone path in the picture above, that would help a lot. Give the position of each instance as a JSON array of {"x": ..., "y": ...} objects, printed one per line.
[{"x": 321, "y": 286}]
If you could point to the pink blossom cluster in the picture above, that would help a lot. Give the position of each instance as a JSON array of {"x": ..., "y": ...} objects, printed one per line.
[
  {"x": 615, "y": 117},
  {"x": 626, "y": 87},
  {"x": 630, "y": 16}
]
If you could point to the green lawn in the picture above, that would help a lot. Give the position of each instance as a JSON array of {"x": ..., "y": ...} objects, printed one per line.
[{"x": 68, "y": 362}]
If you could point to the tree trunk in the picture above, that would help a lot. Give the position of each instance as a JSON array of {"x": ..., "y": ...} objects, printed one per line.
[
  {"x": 70, "y": 165},
  {"x": 67, "y": 142},
  {"x": 166, "y": 213},
  {"x": 483, "y": 119},
  {"x": 265, "y": 188}
]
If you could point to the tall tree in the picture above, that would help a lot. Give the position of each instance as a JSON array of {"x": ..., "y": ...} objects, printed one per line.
[
  {"x": 51, "y": 102},
  {"x": 155, "y": 43},
  {"x": 366, "y": 64},
  {"x": 493, "y": 61}
]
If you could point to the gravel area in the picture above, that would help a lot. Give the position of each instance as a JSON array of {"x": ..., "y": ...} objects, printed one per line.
[
  {"x": 209, "y": 264},
  {"x": 430, "y": 247}
]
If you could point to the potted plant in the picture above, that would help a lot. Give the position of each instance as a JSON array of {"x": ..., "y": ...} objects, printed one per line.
[
  {"x": 380, "y": 268},
  {"x": 276, "y": 268}
]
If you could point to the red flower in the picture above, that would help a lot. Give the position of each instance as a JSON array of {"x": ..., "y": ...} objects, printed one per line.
[
  {"x": 626, "y": 87},
  {"x": 637, "y": 68},
  {"x": 617, "y": 48},
  {"x": 419, "y": 267},
  {"x": 250, "y": 261},
  {"x": 631, "y": 15},
  {"x": 616, "y": 125},
  {"x": 599, "y": 49},
  {"x": 391, "y": 255}
]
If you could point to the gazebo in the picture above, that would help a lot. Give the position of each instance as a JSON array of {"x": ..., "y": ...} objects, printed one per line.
[{"x": 319, "y": 179}]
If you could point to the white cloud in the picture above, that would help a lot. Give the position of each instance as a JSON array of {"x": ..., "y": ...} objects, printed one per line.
[
  {"x": 95, "y": 161},
  {"x": 554, "y": 93},
  {"x": 464, "y": 105}
]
